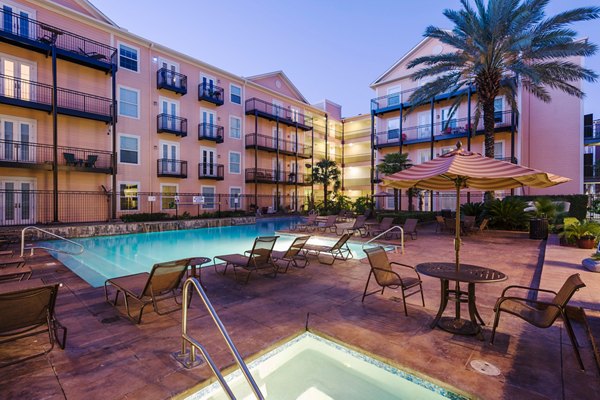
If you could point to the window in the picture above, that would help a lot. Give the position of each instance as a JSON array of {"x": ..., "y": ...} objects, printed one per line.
[
  {"x": 235, "y": 128},
  {"x": 235, "y": 199},
  {"x": 235, "y": 161},
  {"x": 236, "y": 94},
  {"x": 498, "y": 110},
  {"x": 128, "y": 102},
  {"x": 128, "y": 58},
  {"x": 389, "y": 199},
  {"x": 394, "y": 96},
  {"x": 168, "y": 197},
  {"x": 393, "y": 128},
  {"x": 129, "y": 199},
  {"x": 208, "y": 192},
  {"x": 129, "y": 149}
]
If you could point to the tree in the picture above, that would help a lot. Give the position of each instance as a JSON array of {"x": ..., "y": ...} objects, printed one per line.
[
  {"x": 392, "y": 163},
  {"x": 509, "y": 43},
  {"x": 324, "y": 172}
]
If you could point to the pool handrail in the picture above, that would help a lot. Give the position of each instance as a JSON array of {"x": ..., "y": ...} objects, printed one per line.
[
  {"x": 385, "y": 233},
  {"x": 194, "y": 344},
  {"x": 47, "y": 248}
]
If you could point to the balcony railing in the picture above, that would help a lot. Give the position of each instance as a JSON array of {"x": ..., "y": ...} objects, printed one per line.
[
  {"x": 274, "y": 112},
  {"x": 269, "y": 143},
  {"x": 211, "y": 171},
  {"x": 171, "y": 80},
  {"x": 456, "y": 127},
  {"x": 391, "y": 100},
  {"x": 212, "y": 132},
  {"x": 355, "y": 158},
  {"x": 40, "y": 156},
  {"x": 29, "y": 94},
  {"x": 20, "y": 30},
  {"x": 352, "y": 182},
  {"x": 592, "y": 132},
  {"x": 261, "y": 175},
  {"x": 171, "y": 168},
  {"x": 166, "y": 123},
  {"x": 211, "y": 93}
]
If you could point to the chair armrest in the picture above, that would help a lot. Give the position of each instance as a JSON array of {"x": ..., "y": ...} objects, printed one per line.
[
  {"x": 525, "y": 300},
  {"x": 388, "y": 271},
  {"x": 527, "y": 288},
  {"x": 407, "y": 266}
]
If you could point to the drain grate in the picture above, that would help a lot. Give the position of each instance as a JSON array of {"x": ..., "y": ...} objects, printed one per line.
[{"x": 485, "y": 368}]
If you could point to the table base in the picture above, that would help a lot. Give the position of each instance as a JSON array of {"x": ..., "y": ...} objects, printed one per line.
[{"x": 459, "y": 326}]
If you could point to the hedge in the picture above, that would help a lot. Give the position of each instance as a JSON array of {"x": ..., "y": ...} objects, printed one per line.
[
  {"x": 150, "y": 217},
  {"x": 579, "y": 203},
  {"x": 401, "y": 216}
]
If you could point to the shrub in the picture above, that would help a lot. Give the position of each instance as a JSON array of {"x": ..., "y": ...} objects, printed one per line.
[
  {"x": 146, "y": 217},
  {"x": 508, "y": 213},
  {"x": 579, "y": 203},
  {"x": 476, "y": 210},
  {"x": 581, "y": 230},
  {"x": 362, "y": 203}
]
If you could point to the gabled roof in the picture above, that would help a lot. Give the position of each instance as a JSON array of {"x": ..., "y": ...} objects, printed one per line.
[
  {"x": 86, "y": 8},
  {"x": 283, "y": 76}
]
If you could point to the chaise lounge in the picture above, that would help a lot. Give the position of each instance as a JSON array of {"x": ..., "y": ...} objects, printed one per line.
[
  {"x": 256, "y": 259},
  {"x": 339, "y": 251}
]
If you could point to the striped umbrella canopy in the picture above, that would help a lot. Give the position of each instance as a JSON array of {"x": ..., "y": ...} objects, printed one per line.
[{"x": 461, "y": 169}]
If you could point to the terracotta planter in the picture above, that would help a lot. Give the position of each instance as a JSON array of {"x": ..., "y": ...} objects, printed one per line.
[{"x": 586, "y": 243}]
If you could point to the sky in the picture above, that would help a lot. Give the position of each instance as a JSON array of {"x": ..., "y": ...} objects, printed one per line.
[{"x": 330, "y": 49}]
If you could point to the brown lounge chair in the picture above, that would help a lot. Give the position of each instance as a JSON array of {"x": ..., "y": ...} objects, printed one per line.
[
  {"x": 25, "y": 307},
  {"x": 339, "y": 251},
  {"x": 11, "y": 261},
  {"x": 410, "y": 227},
  {"x": 293, "y": 255},
  {"x": 538, "y": 313},
  {"x": 329, "y": 224},
  {"x": 358, "y": 227},
  {"x": 149, "y": 288},
  {"x": 385, "y": 276},
  {"x": 309, "y": 224},
  {"x": 384, "y": 225},
  {"x": 258, "y": 258}
]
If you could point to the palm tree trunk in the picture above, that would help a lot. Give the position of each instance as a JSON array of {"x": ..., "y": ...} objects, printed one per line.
[
  {"x": 488, "y": 129},
  {"x": 396, "y": 199}
]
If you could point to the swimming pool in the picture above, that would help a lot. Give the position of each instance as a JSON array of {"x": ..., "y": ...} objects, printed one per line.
[
  {"x": 310, "y": 367},
  {"x": 107, "y": 257}
]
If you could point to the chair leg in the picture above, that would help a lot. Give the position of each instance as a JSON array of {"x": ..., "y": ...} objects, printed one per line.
[
  {"x": 422, "y": 297},
  {"x": 496, "y": 320},
  {"x": 404, "y": 303},
  {"x": 366, "y": 286},
  {"x": 573, "y": 338}
]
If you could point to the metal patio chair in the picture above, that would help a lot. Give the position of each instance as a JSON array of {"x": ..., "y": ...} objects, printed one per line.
[
  {"x": 256, "y": 259},
  {"x": 339, "y": 251},
  {"x": 293, "y": 255}
]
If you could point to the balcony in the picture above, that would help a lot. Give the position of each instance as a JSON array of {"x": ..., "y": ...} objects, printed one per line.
[
  {"x": 274, "y": 112},
  {"x": 260, "y": 175},
  {"x": 171, "y": 168},
  {"x": 38, "y": 96},
  {"x": 40, "y": 156},
  {"x": 354, "y": 182},
  {"x": 356, "y": 158},
  {"x": 28, "y": 33},
  {"x": 211, "y": 93},
  {"x": 166, "y": 123},
  {"x": 591, "y": 133},
  {"x": 270, "y": 144},
  {"x": 212, "y": 132},
  {"x": 395, "y": 101},
  {"x": 456, "y": 128},
  {"x": 211, "y": 171},
  {"x": 171, "y": 80}
]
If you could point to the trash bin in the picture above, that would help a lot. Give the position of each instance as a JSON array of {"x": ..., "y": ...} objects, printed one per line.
[{"x": 538, "y": 228}]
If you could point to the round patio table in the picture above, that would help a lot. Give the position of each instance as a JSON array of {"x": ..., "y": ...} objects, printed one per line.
[
  {"x": 196, "y": 267},
  {"x": 470, "y": 274}
]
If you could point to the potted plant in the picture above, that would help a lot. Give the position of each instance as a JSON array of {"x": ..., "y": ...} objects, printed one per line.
[{"x": 583, "y": 233}]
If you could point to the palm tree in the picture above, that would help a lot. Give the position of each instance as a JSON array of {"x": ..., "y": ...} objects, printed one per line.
[
  {"x": 501, "y": 46},
  {"x": 324, "y": 172},
  {"x": 392, "y": 163}
]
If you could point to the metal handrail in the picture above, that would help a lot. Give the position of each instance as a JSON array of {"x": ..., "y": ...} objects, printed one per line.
[
  {"x": 81, "y": 248},
  {"x": 385, "y": 233},
  {"x": 196, "y": 345}
]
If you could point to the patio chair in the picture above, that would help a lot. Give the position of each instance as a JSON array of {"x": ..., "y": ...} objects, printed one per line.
[
  {"x": 482, "y": 226},
  {"x": 70, "y": 159},
  {"x": 339, "y": 251},
  {"x": 91, "y": 161},
  {"x": 468, "y": 224},
  {"x": 440, "y": 223},
  {"x": 539, "y": 313},
  {"x": 384, "y": 225},
  {"x": 292, "y": 256},
  {"x": 260, "y": 257},
  {"x": 149, "y": 288},
  {"x": 11, "y": 261},
  {"x": 385, "y": 276},
  {"x": 15, "y": 273},
  {"x": 410, "y": 227},
  {"x": 310, "y": 223},
  {"x": 358, "y": 226},
  {"x": 27, "y": 309},
  {"x": 329, "y": 225},
  {"x": 450, "y": 224}
]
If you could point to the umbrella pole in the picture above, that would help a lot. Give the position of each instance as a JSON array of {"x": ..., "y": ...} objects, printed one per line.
[{"x": 457, "y": 247}]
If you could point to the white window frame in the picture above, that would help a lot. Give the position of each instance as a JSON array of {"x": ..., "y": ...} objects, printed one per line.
[
  {"x": 229, "y": 162},
  {"x": 389, "y": 200},
  {"x": 162, "y": 99},
  {"x": 166, "y": 60},
  {"x": 161, "y": 195},
  {"x": 240, "y": 198},
  {"x": 206, "y": 206},
  {"x": 119, "y": 44},
  {"x": 137, "y": 92},
  {"x": 139, "y": 189},
  {"x": 233, "y": 117},
  {"x": 20, "y": 7},
  {"x": 503, "y": 109},
  {"x": 231, "y": 85},
  {"x": 139, "y": 141},
  {"x": 502, "y": 142},
  {"x": 420, "y": 152},
  {"x": 394, "y": 90}
]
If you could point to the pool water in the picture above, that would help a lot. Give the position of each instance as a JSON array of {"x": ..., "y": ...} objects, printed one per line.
[
  {"x": 107, "y": 257},
  {"x": 310, "y": 367}
]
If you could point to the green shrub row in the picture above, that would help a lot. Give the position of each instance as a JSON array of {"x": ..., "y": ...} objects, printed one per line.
[
  {"x": 401, "y": 216},
  {"x": 151, "y": 217},
  {"x": 579, "y": 203}
]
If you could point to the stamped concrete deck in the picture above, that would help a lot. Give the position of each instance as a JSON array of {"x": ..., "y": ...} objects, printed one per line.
[{"x": 108, "y": 357}]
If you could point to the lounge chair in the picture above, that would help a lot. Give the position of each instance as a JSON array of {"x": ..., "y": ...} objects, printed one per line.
[
  {"x": 339, "y": 251},
  {"x": 15, "y": 273},
  {"x": 541, "y": 313},
  {"x": 309, "y": 224},
  {"x": 292, "y": 256},
  {"x": 384, "y": 225},
  {"x": 11, "y": 261},
  {"x": 258, "y": 258},
  {"x": 481, "y": 226},
  {"x": 26, "y": 307},
  {"x": 329, "y": 224},
  {"x": 385, "y": 276},
  {"x": 358, "y": 226},
  {"x": 149, "y": 288},
  {"x": 440, "y": 223},
  {"x": 410, "y": 227}
]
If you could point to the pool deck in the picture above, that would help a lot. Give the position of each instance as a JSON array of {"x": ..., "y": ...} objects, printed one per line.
[{"x": 109, "y": 357}]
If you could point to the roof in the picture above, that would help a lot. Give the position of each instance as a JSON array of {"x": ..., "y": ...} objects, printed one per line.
[{"x": 283, "y": 76}]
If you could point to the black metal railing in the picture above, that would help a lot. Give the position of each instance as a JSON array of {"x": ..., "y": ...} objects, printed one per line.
[
  {"x": 171, "y": 168},
  {"x": 212, "y": 132},
  {"x": 592, "y": 131},
  {"x": 171, "y": 80},
  {"x": 274, "y": 112},
  {"x": 262, "y": 175},
  {"x": 211, "y": 171},
  {"x": 19, "y": 28},
  {"x": 211, "y": 93},
  {"x": 391, "y": 100},
  {"x": 166, "y": 123},
  {"x": 270, "y": 143},
  {"x": 37, "y": 95},
  {"x": 28, "y": 154}
]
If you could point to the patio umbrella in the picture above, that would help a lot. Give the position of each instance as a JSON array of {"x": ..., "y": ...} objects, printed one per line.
[{"x": 461, "y": 169}]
